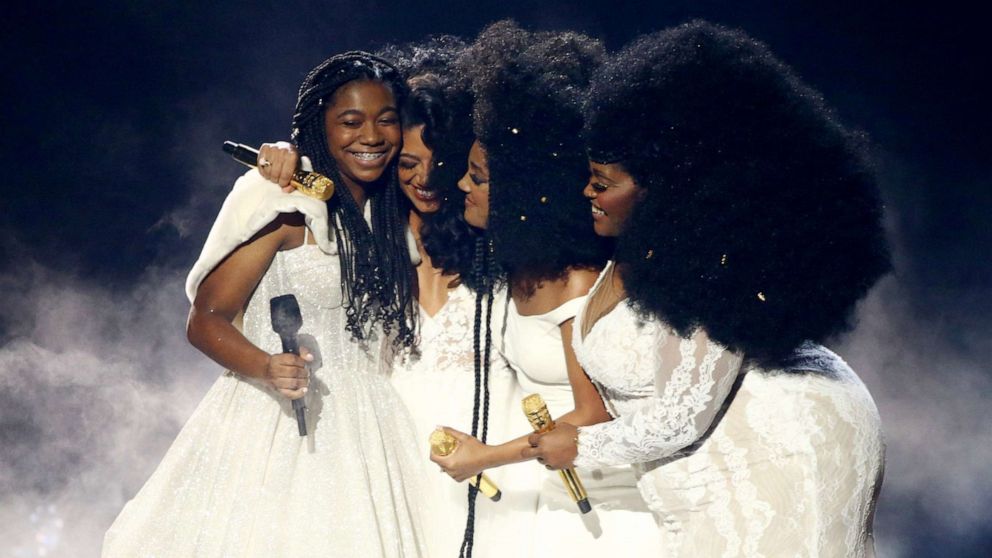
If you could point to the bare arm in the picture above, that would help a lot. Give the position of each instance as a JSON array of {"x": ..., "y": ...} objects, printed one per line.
[{"x": 225, "y": 292}]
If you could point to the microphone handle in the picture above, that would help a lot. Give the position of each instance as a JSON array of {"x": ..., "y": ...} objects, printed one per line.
[{"x": 292, "y": 346}]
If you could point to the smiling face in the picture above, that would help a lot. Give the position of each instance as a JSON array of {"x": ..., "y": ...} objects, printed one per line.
[
  {"x": 362, "y": 126},
  {"x": 475, "y": 184},
  {"x": 613, "y": 195},
  {"x": 416, "y": 161}
]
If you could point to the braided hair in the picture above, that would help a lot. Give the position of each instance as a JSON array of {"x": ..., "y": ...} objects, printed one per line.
[
  {"x": 377, "y": 278},
  {"x": 483, "y": 276}
]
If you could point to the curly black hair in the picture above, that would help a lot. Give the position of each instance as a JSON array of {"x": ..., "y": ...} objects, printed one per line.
[
  {"x": 377, "y": 278},
  {"x": 440, "y": 99},
  {"x": 762, "y": 222},
  {"x": 528, "y": 118}
]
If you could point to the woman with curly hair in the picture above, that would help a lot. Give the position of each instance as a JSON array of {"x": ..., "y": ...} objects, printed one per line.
[
  {"x": 522, "y": 185},
  {"x": 748, "y": 226},
  {"x": 439, "y": 378},
  {"x": 240, "y": 479}
]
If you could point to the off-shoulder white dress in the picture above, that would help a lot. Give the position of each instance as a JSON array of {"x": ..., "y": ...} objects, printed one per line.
[
  {"x": 239, "y": 480},
  {"x": 734, "y": 461},
  {"x": 619, "y": 524}
]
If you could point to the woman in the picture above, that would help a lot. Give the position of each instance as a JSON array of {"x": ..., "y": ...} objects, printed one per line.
[
  {"x": 436, "y": 377},
  {"x": 239, "y": 480},
  {"x": 748, "y": 227},
  {"x": 521, "y": 188}
]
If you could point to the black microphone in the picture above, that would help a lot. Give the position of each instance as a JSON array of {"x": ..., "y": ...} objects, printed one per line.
[{"x": 286, "y": 322}]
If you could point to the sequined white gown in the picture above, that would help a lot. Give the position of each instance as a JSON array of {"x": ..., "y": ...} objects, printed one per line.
[
  {"x": 752, "y": 462},
  {"x": 619, "y": 524},
  {"x": 239, "y": 481},
  {"x": 438, "y": 388}
]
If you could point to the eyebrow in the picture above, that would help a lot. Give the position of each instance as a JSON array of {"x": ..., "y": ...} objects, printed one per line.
[
  {"x": 475, "y": 166},
  {"x": 409, "y": 155},
  {"x": 357, "y": 112},
  {"x": 599, "y": 174}
]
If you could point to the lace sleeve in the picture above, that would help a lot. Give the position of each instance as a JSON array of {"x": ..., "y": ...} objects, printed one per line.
[{"x": 692, "y": 379}]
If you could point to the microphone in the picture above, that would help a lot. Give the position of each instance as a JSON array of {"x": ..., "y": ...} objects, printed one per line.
[
  {"x": 540, "y": 419},
  {"x": 444, "y": 444},
  {"x": 286, "y": 322},
  {"x": 312, "y": 184}
]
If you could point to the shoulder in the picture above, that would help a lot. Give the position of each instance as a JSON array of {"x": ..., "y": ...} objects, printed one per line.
[
  {"x": 578, "y": 282},
  {"x": 254, "y": 207}
]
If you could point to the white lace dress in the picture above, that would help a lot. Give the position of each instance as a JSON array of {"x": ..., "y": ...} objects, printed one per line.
[
  {"x": 752, "y": 462},
  {"x": 239, "y": 480},
  {"x": 620, "y": 524},
  {"x": 437, "y": 388}
]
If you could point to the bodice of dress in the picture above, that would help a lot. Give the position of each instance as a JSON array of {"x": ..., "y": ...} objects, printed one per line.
[
  {"x": 533, "y": 346},
  {"x": 664, "y": 391}
]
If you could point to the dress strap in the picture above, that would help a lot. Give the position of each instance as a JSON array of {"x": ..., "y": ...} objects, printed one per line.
[{"x": 306, "y": 235}]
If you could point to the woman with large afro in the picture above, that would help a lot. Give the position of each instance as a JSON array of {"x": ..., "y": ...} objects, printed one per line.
[
  {"x": 523, "y": 185},
  {"x": 748, "y": 226}
]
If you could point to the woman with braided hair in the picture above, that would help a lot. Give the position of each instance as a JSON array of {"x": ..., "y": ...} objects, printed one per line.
[
  {"x": 523, "y": 189},
  {"x": 451, "y": 373},
  {"x": 240, "y": 480},
  {"x": 748, "y": 226}
]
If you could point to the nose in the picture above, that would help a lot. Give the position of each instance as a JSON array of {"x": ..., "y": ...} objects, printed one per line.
[
  {"x": 463, "y": 184},
  {"x": 371, "y": 134},
  {"x": 589, "y": 192}
]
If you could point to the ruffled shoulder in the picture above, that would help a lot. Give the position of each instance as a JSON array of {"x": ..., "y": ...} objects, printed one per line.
[{"x": 253, "y": 203}]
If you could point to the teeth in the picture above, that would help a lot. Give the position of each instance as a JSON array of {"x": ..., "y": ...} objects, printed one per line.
[
  {"x": 368, "y": 156},
  {"x": 597, "y": 211},
  {"x": 425, "y": 194}
]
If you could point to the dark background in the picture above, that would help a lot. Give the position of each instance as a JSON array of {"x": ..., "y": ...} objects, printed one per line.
[{"x": 113, "y": 115}]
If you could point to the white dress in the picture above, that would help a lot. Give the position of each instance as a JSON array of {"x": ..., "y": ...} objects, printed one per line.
[
  {"x": 437, "y": 388},
  {"x": 734, "y": 462},
  {"x": 239, "y": 481},
  {"x": 620, "y": 524}
]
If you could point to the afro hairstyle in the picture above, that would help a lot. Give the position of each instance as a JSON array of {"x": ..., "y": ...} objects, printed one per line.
[
  {"x": 762, "y": 221},
  {"x": 528, "y": 119}
]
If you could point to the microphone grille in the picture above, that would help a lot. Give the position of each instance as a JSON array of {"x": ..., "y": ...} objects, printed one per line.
[{"x": 442, "y": 443}]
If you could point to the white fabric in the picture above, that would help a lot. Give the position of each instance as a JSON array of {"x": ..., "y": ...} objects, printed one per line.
[
  {"x": 438, "y": 388},
  {"x": 239, "y": 480},
  {"x": 733, "y": 462},
  {"x": 619, "y": 524}
]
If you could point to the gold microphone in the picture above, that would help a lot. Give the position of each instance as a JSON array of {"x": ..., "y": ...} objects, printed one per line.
[
  {"x": 312, "y": 184},
  {"x": 540, "y": 419},
  {"x": 444, "y": 444}
]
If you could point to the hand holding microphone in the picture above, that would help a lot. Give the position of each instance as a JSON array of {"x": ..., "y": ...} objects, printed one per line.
[
  {"x": 286, "y": 322},
  {"x": 540, "y": 419},
  {"x": 311, "y": 184},
  {"x": 444, "y": 444}
]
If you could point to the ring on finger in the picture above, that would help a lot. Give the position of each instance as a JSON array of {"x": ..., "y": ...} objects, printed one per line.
[{"x": 264, "y": 163}]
